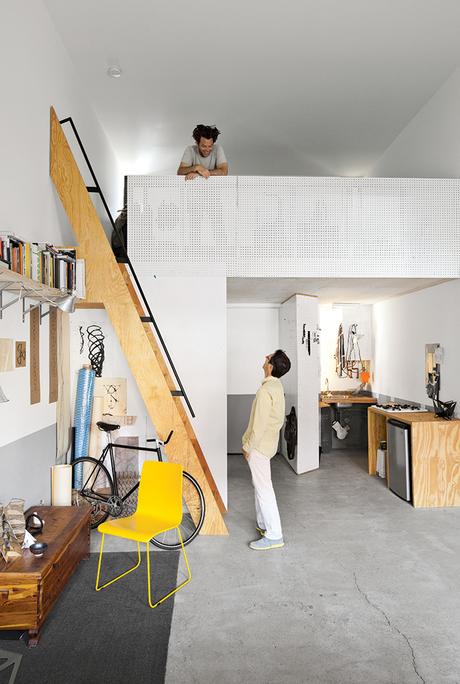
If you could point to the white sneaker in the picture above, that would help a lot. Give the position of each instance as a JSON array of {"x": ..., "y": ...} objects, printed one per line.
[{"x": 265, "y": 544}]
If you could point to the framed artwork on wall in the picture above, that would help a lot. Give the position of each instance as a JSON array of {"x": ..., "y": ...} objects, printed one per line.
[{"x": 21, "y": 358}]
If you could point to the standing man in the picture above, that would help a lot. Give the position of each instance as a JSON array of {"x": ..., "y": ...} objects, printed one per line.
[
  {"x": 205, "y": 158},
  {"x": 260, "y": 442}
]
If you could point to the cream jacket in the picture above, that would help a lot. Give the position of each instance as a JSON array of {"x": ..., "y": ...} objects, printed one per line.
[{"x": 267, "y": 418}]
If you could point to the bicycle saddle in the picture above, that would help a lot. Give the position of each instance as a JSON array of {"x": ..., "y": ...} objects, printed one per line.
[{"x": 107, "y": 427}]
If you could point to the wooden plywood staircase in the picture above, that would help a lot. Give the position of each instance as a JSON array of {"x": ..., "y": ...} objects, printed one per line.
[{"x": 109, "y": 283}]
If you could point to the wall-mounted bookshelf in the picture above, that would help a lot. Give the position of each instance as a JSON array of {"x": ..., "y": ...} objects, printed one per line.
[{"x": 15, "y": 282}]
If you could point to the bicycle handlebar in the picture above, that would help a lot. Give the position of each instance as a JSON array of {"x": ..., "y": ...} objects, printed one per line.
[{"x": 158, "y": 441}]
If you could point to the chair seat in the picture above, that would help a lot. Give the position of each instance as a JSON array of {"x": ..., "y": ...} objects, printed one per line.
[{"x": 138, "y": 527}]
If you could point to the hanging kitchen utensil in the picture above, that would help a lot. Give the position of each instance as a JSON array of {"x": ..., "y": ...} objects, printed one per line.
[
  {"x": 340, "y": 353},
  {"x": 364, "y": 376},
  {"x": 353, "y": 361}
]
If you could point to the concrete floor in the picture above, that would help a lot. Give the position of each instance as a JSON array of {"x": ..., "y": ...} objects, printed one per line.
[{"x": 365, "y": 590}]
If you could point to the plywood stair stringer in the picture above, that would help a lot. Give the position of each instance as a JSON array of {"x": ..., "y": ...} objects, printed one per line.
[
  {"x": 172, "y": 386},
  {"x": 105, "y": 283}
]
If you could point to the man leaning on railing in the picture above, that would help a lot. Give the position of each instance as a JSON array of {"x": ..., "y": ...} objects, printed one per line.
[{"x": 205, "y": 158}]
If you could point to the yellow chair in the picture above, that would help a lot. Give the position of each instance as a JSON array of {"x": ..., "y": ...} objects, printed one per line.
[{"x": 159, "y": 508}]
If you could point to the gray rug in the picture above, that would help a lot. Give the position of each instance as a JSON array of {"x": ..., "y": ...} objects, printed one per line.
[{"x": 107, "y": 636}]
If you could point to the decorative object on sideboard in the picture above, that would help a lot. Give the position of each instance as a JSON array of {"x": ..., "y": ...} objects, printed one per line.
[
  {"x": 34, "y": 523},
  {"x": 61, "y": 485},
  {"x": 38, "y": 549},
  {"x": 12, "y": 529}
]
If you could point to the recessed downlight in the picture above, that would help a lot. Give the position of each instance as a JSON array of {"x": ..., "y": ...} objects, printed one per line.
[{"x": 114, "y": 71}]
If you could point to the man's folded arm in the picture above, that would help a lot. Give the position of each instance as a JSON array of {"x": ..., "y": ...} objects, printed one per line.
[
  {"x": 220, "y": 170},
  {"x": 260, "y": 420}
]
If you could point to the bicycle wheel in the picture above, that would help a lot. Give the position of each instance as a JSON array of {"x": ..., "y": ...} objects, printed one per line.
[
  {"x": 193, "y": 512},
  {"x": 96, "y": 489}
]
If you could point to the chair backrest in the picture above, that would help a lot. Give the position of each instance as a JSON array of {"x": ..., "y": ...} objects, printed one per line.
[{"x": 160, "y": 491}]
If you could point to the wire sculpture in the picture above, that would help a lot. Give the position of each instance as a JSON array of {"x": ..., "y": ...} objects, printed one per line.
[{"x": 96, "y": 352}]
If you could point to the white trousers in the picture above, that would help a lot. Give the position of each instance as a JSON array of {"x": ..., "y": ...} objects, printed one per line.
[{"x": 268, "y": 517}]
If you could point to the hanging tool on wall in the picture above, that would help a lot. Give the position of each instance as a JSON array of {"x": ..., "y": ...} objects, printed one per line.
[
  {"x": 306, "y": 339},
  {"x": 353, "y": 360},
  {"x": 340, "y": 353},
  {"x": 309, "y": 337}
]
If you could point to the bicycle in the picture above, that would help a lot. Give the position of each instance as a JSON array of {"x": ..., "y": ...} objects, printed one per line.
[{"x": 100, "y": 489}]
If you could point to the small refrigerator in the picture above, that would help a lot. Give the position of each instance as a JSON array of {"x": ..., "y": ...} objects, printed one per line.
[{"x": 399, "y": 464}]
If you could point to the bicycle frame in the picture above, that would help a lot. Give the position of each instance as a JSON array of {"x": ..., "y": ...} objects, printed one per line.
[{"x": 100, "y": 461}]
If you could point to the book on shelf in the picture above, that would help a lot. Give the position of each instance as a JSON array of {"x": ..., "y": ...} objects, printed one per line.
[{"x": 47, "y": 264}]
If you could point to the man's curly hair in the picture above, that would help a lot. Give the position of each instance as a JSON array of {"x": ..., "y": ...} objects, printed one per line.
[{"x": 203, "y": 131}]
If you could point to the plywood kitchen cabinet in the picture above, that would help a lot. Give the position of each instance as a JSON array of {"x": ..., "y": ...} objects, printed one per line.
[{"x": 435, "y": 455}]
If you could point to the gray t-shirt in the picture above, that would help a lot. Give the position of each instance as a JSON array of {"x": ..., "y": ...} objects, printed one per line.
[{"x": 192, "y": 156}]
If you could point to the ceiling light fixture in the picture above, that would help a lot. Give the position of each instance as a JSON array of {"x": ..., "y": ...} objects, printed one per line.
[{"x": 114, "y": 71}]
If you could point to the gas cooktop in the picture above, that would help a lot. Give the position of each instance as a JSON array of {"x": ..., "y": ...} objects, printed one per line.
[{"x": 399, "y": 408}]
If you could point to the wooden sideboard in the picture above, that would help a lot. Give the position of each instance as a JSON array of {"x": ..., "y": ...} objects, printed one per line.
[
  {"x": 29, "y": 586},
  {"x": 435, "y": 455}
]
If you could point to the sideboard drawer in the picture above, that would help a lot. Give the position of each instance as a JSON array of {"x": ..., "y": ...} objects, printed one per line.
[
  {"x": 18, "y": 604},
  {"x": 61, "y": 569}
]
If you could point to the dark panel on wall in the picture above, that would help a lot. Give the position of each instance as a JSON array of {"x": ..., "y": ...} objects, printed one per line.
[
  {"x": 25, "y": 467},
  {"x": 238, "y": 410}
]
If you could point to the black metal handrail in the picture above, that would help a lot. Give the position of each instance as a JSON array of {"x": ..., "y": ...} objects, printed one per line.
[{"x": 150, "y": 318}]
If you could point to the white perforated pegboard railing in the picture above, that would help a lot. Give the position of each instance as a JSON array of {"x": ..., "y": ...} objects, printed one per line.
[{"x": 249, "y": 226}]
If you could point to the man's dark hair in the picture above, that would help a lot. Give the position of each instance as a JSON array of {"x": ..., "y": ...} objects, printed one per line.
[
  {"x": 203, "y": 131},
  {"x": 280, "y": 363}
]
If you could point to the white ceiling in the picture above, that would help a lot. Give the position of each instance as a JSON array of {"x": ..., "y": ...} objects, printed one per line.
[
  {"x": 303, "y": 87},
  {"x": 329, "y": 290}
]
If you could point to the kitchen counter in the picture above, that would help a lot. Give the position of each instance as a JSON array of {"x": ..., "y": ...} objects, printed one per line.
[
  {"x": 409, "y": 416},
  {"x": 346, "y": 399},
  {"x": 435, "y": 454}
]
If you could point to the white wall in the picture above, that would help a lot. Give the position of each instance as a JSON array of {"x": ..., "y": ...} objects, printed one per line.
[
  {"x": 191, "y": 314},
  {"x": 402, "y": 327},
  {"x": 252, "y": 332},
  {"x": 302, "y": 382},
  {"x": 330, "y": 319},
  {"x": 115, "y": 366},
  {"x": 37, "y": 73},
  {"x": 429, "y": 145},
  {"x": 18, "y": 417}
]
